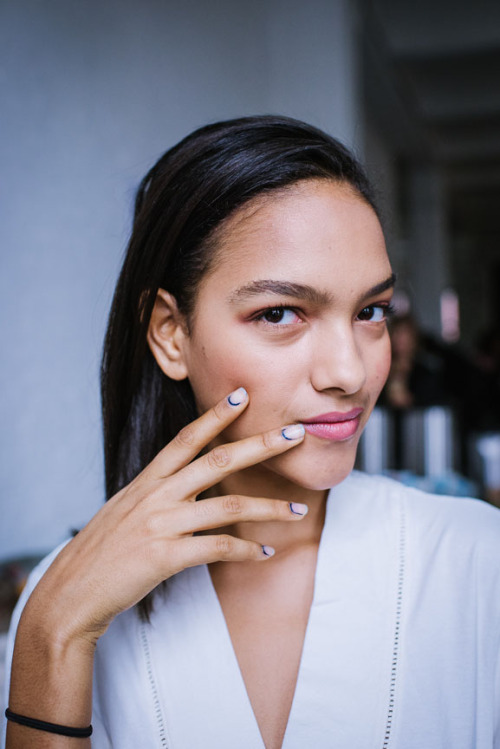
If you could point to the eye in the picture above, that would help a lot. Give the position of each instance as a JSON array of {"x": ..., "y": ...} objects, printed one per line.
[
  {"x": 278, "y": 316},
  {"x": 375, "y": 312}
]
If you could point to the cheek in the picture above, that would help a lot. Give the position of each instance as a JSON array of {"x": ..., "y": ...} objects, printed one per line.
[
  {"x": 381, "y": 365},
  {"x": 223, "y": 364},
  {"x": 218, "y": 367},
  {"x": 213, "y": 375}
]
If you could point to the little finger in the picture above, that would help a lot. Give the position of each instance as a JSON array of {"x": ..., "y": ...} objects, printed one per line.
[{"x": 195, "y": 550}]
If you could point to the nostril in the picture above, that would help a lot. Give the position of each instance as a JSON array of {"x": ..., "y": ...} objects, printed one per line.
[{"x": 339, "y": 368}]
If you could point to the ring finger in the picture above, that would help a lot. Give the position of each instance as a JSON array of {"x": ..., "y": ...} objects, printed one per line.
[{"x": 218, "y": 512}]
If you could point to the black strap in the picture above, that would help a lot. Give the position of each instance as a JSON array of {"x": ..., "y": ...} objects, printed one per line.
[{"x": 42, "y": 725}]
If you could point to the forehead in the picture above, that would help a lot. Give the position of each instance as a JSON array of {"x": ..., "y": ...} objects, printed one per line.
[{"x": 317, "y": 232}]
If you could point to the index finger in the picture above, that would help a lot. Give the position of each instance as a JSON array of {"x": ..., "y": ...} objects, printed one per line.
[
  {"x": 196, "y": 435},
  {"x": 223, "y": 460}
]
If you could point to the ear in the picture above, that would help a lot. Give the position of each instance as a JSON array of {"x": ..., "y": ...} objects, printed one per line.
[{"x": 167, "y": 335}]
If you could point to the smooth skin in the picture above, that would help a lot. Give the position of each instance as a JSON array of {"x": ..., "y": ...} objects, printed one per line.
[
  {"x": 315, "y": 342},
  {"x": 143, "y": 535}
]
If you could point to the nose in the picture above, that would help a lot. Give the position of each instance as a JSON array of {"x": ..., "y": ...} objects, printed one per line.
[{"x": 337, "y": 362}]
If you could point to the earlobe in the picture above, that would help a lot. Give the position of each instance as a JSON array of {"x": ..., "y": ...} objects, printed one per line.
[{"x": 167, "y": 335}]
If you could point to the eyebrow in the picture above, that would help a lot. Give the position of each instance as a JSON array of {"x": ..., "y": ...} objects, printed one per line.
[
  {"x": 389, "y": 283},
  {"x": 299, "y": 290},
  {"x": 280, "y": 288}
]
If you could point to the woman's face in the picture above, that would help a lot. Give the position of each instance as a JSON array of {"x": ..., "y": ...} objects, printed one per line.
[{"x": 294, "y": 311}]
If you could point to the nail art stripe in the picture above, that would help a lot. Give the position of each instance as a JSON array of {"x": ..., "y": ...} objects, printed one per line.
[
  {"x": 268, "y": 551},
  {"x": 237, "y": 397},
  {"x": 293, "y": 431}
]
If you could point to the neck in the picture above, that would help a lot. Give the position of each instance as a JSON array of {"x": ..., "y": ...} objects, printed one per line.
[{"x": 281, "y": 536}]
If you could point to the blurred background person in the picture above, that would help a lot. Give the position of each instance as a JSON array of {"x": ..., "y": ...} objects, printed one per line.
[{"x": 416, "y": 378}]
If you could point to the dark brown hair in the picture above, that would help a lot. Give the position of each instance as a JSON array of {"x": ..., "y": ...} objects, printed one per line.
[{"x": 179, "y": 204}]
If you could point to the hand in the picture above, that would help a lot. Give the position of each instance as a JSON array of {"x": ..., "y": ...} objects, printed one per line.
[{"x": 144, "y": 534}]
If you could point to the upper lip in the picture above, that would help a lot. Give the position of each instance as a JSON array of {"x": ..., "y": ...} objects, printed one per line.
[{"x": 334, "y": 417}]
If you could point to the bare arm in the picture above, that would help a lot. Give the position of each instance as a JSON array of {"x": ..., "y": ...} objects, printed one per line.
[{"x": 142, "y": 536}]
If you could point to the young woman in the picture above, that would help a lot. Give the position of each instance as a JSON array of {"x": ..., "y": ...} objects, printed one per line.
[{"x": 242, "y": 587}]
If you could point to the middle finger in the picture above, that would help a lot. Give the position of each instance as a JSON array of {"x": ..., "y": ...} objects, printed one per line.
[{"x": 224, "y": 460}]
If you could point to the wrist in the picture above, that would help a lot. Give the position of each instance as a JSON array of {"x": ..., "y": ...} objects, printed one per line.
[{"x": 51, "y": 677}]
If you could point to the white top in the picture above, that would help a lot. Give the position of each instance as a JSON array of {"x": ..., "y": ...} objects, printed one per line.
[{"x": 401, "y": 649}]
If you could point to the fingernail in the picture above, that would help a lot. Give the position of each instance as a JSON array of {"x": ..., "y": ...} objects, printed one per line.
[
  {"x": 268, "y": 551},
  {"x": 293, "y": 432},
  {"x": 298, "y": 509},
  {"x": 237, "y": 397}
]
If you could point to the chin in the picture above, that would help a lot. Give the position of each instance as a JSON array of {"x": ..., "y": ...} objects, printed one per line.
[
  {"x": 317, "y": 486},
  {"x": 316, "y": 473}
]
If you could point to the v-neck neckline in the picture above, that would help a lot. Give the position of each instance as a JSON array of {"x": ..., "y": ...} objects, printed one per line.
[
  {"x": 343, "y": 688},
  {"x": 218, "y": 606}
]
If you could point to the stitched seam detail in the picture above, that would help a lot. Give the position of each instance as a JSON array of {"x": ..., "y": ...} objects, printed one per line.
[
  {"x": 152, "y": 684},
  {"x": 397, "y": 627}
]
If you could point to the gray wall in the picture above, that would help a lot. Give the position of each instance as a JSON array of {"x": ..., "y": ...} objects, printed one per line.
[{"x": 92, "y": 92}]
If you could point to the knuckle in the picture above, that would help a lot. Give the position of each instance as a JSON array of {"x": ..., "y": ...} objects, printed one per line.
[
  {"x": 189, "y": 549},
  {"x": 267, "y": 440},
  {"x": 153, "y": 526},
  {"x": 224, "y": 545},
  {"x": 276, "y": 510},
  {"x": 232, "y": 504},
  {"x": 186, "y": 437},
  {"x": 220, "y": 412},
  {"x": 219, "y": 457},
  {"x": 154, "y": 551},
  {"x": 203, "y": 508}
]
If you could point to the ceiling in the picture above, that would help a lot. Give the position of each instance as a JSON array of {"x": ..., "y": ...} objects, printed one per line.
[{"x": 432, "y": 83}]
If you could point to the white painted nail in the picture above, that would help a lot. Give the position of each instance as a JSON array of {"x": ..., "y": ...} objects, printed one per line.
[
  {"x": 237, "y": 397},
  {"x": 298, "y": 509},
  {"x": 293, "y": 431}
]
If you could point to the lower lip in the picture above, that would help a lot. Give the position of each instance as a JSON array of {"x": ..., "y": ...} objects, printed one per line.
[{"x": 334, "y": 431}]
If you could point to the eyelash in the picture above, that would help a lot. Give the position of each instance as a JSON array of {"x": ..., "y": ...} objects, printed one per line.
[
  {"x": 280, "y": 308},
  {"x": 387, "y": 310}
]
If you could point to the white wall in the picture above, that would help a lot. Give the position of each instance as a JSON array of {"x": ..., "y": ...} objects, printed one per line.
[{"x": 92, "y": 92}]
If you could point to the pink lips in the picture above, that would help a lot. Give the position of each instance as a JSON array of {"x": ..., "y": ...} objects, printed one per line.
[{"x": 335, "y": 426}]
